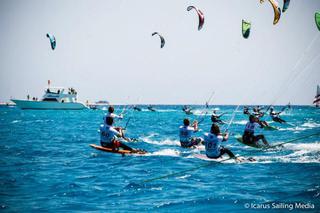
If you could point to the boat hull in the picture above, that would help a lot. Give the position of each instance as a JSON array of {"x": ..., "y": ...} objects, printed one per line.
[{"x": 25, "y": 104}]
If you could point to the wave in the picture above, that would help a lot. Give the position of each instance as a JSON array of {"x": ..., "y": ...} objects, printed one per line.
[
  {"x": 294, "y": 129},
  {"x": 301, "y": 153},
  {"x": 160, "y": 110},
  {"x": 311, "y": 147},
  {"x": 165, "y": 152},
  {"x": 163, "y": 142},
  {"x": 31, "y": 121},
  {"x": 167, "y": 110},
  {"x": 296, "y": 158},
  {"x": 184, "y": 176},
  {"x": 311, "y": 124},
  {"x": 242, "y": 122},
  {"x": 286, "y": 113},
  {"x": 203, "y": 112},
  {"x": 170, "y": 142}
]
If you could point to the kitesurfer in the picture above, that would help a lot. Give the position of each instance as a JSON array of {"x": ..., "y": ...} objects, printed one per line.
[
  {"x": 151, "y": 108},
  {"x": 212, "y": 141},
  {"x": 186, "y": 109},
  {"x": 110, "y": 137},
  {"x": 258, "y": 114},
  {"x": 257, "y": 111},
  {"x": 185, "y": 134},
  {"x": 248, "y": 135},
  {"x": 246, "y": 110},
  {"x": 215, "y": 118},
  {"x": 136, "y": 108},
  {"x": 276, "y": 116},
  {"x": 112, "y": 114}
]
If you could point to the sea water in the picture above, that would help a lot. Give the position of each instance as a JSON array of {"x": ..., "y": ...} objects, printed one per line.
[{"x": 48, "y": 165}]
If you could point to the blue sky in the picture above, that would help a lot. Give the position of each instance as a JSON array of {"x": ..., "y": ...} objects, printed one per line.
[{"x": 105, "y": 50}]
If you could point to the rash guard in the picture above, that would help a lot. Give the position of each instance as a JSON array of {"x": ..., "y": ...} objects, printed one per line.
[
  {"x": 108, "y": 134},
  {"x": 212, "y": 144},
  {"x": 185, "y": 133},
  {"x": 250, "y": 127}
]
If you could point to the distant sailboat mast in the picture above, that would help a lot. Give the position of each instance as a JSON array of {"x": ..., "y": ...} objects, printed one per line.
[{"x": 317, "y": 97}]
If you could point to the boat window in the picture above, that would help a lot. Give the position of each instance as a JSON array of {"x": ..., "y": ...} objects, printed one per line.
[
  {"x": 50, "y": 99},
  {"x": 53, "y": 92}
]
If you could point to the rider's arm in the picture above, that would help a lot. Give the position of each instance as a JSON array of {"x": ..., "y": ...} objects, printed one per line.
[
  {"x": 259, "y": 124},
  {"x": 221, "y": 114},
  {"x": 118, "y": 134},
  {"x": 118, "y": 116}
]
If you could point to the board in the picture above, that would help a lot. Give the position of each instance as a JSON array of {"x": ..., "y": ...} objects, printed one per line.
[
  {"x": 122, "y": 152},
  {"x": 204, "y": 157},
  {"x": 270, "y": 128},
  {"x": 222, "y": 159},
  {"x": 239, "y": 139}
]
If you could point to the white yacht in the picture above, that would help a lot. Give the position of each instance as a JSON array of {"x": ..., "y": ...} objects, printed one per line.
[{"x": 53, "y": 98}]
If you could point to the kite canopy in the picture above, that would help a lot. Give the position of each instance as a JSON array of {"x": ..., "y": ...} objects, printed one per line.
[
  {"x": 317, "y": 19},
  {"x": 276, "y": 10},
  {"x": 161, "y": 38},
  {"x": 52, "y": 41},
  {"x": 246, "y": 26},
  {"x": 200, "y": 15},
  {"x": 285, "y": 5}
]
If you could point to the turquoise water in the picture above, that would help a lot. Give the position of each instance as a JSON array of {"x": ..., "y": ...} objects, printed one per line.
[{"x": 47, "y": 164}]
